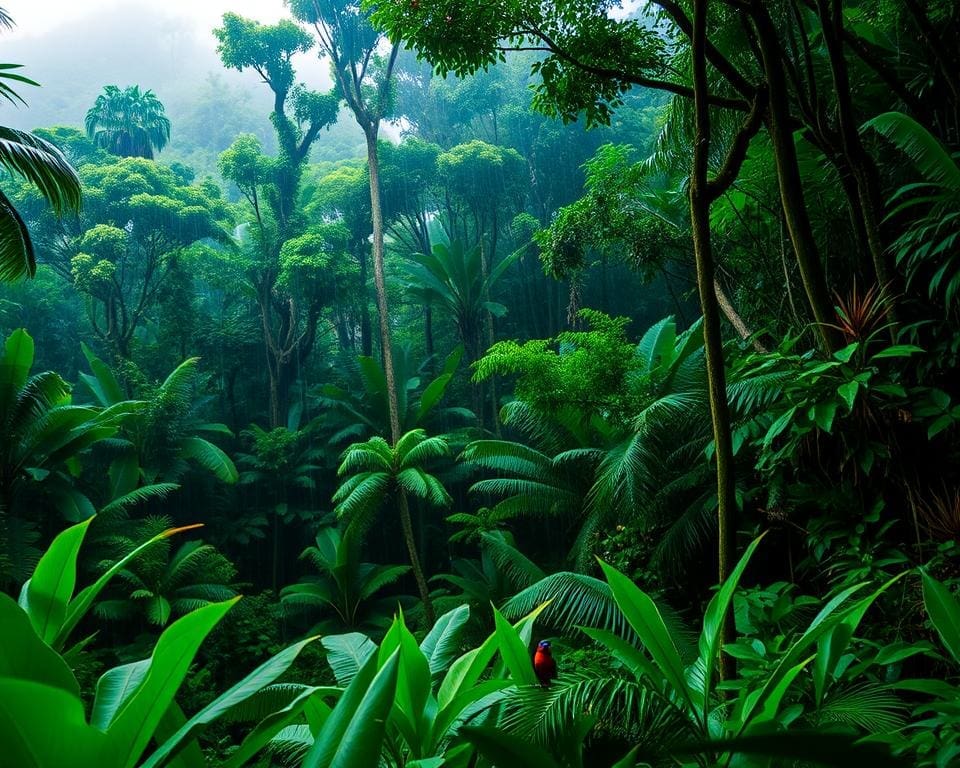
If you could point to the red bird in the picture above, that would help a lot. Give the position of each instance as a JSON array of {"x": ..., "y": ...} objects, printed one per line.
[{"x": 543, "y": 663}]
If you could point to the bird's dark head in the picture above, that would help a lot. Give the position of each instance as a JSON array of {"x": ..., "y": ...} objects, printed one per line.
[{"x": 544, "y": 645}]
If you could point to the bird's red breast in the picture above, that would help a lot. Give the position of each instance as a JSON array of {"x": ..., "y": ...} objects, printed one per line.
[{"x": 544, "y": 666}]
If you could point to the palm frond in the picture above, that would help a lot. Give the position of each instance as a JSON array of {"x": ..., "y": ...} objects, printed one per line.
[
  {"x": 516, "y": 566},
  {"x": 922, "y": 147},
  {"x": 623, "y": 707},
  {"x": 379, "y": 577},
  {"x": 870, "y": 707},
  {"x": 17, "y": 257},
  {"x": 43, "y": 165},
  {"x": 139, "y": 496},
  {"x": 210, "y": 457},
  {"x": 575, "y": 600}
]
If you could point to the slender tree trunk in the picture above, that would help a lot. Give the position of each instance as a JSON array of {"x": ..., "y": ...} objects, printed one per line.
[
  {"x": 407, "y": 524},
  {"x": 366, "y": 342},
  {"x": 386, "y": 348},
  {"x": 702, "y": 194},
  {"x": 428, "y": 335},
  {"x": 779, "y": 127},
  {"x": 864, "y": 171}
]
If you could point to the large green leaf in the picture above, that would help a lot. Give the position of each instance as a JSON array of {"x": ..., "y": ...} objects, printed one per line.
[
  {"x": 24, "y": 655},
  {"x": 352, "y": 735},
  {"x": 14, "y": 369},
  {"x": 210, "y": 457},
  {"x": 442, "y": 641},
  {"x": 944, "y": 612},
  {"x": 931, "y": 157},
  {"x": 263, "y": 675},
  {"x": 711, "y": 638},
  {"x": 114, "y": 689},
  {"x": 44, "y": 727},
  {"x": 132, "y": 728},
  {"x": 514, "y": 652},
  {"x": 466, "y": 671},
  {"x": 413, "y": 683},
  {"x": 347, "y": 653},
  {"x": 275, "y": 722},
  {"x": 642, "y": 614},
  {"x": 47, "y": 593},
  {"x": 84, "y": 600},
  {"x": 103, "y": 384}
]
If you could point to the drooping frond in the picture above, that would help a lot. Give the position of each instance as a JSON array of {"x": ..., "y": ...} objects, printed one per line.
[
  {"x": 928, "y": 154},
  {"x": 426, "y": 449},
  {"x": 139, "y": 496},
  {"x": 425, "y": 486},
  {"x": 211, "y": 457},
  {"x": 43, "y": 165},
  {"x": 373, "y": 455},
  {"x": 575, "y": 600},
  {"x": 516, "y": 566},
  {"x": 360, "y": 496},
  {"x": 870, "y": 707},
  {"x": 379, "y": 577}
]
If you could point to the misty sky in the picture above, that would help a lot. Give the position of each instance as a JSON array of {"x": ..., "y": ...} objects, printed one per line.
[{"x": 37, "y": 17}]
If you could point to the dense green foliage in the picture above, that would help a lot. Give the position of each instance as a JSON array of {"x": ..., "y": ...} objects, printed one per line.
[{"x": 630, "y": 327}]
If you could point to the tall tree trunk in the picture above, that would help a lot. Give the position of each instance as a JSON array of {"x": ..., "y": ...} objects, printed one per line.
[
  {"x": 407, "y": 524},
  {"x": 702, "y": 193},
  {"x": 780, "y": 129},
  {"x": 864, "y": 171},
  {"x": 366, "y": 342},
  {"x": 386, "y": 348}
]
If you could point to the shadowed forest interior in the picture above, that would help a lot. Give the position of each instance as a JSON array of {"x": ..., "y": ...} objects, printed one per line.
[{"x": 433, "y": 384}]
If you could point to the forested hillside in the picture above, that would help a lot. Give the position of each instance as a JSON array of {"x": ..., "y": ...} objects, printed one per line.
[{"x": 416, "y": 383}]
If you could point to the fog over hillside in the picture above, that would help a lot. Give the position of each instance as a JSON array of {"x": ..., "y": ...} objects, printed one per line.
[{"x": 132, "y": 43}]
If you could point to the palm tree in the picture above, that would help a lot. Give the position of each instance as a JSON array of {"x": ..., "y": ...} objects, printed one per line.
[
  {"x": 41, "y": 164},
  {"x": 452, "y": 277},
  {"x": 128, "y": 122},
  {"x": 343, "y": 584},
  {"x": 376, "y": 472}
]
